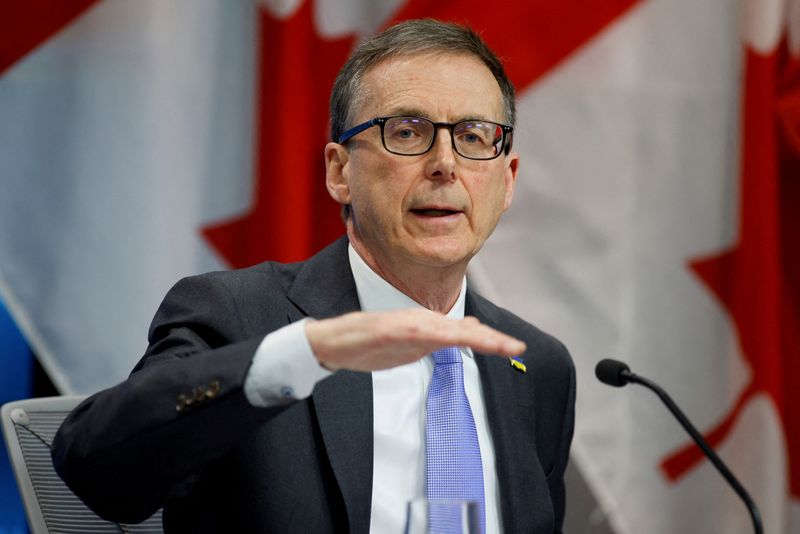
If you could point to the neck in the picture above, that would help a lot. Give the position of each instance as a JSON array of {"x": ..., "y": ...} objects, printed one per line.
[{"x": 436, "y": 288}]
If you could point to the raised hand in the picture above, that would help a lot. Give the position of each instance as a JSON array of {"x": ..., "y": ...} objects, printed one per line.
[{"x": 370, "y": 341}]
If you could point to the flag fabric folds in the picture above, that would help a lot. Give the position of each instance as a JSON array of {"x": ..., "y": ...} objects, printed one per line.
[
  {"x": 656, "y": 223},
  {"x": 122, "y": 133},
  {"x": 655, "y": 219}
]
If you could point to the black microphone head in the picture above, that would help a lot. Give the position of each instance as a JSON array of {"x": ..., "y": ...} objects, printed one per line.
[{"x": 612, "y": 372}]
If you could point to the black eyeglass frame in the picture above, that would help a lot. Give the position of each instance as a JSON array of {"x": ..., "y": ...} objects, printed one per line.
[{"x": 505, "y": 142}]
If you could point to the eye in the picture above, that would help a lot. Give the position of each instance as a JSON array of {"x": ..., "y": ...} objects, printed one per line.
[
  {"x": 473, "y": 135},
  {"x": 471, "y": 138},
  {"x": 405, "y": 133},
  {"x": 407, "y": 130}
]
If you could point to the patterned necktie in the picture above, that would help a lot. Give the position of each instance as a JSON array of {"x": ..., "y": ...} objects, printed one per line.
[{"x": 453, "y": 457}]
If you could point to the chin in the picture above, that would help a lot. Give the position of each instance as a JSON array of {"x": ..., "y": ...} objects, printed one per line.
[{"x": 443, "y": 254}]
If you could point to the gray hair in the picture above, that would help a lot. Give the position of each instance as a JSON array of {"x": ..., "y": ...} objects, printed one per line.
[{"x": 411, "y": 37}]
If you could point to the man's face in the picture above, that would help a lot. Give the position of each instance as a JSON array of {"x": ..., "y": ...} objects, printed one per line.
[{"x": 435, "y": 209}]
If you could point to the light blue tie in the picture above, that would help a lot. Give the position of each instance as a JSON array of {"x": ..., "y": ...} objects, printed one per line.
[{"x": 453, "y": 456}]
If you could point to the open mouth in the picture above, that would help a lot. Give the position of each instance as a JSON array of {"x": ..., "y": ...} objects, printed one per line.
[{"x": 434, "y": 212}]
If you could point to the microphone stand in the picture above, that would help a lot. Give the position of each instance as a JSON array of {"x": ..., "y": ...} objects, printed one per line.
[{"x": 702, "y": 443}]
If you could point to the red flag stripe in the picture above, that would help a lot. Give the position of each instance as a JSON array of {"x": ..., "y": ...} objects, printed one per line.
[
  {"x": 24, "y": 25},
  {"x": 757, "y": 280}
]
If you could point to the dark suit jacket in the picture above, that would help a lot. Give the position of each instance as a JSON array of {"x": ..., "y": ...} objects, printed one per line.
[{"x": 179, "y": 433}]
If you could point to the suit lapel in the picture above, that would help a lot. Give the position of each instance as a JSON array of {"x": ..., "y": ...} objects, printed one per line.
[
  {"x": 324, "y": 288},
  {"x": 506, "y": 393}
]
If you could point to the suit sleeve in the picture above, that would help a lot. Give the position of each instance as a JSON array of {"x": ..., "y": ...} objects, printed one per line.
[
  {"x": 555, "y": 478},
  {"x": 129, "y": 449}
]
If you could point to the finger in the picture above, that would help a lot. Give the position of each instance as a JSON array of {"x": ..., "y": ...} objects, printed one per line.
[{"x": 487, "y": 340}]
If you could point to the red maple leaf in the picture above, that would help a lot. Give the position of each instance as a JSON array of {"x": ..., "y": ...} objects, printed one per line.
[
  {"x": 292, "y": 215},
  {"x": 26, "y": 25},
  {"x": 758, "y": 280},
  {"x": 531, "y": 36}
]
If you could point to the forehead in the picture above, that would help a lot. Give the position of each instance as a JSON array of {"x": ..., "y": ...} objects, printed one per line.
[{"x": 442, "y": 87}]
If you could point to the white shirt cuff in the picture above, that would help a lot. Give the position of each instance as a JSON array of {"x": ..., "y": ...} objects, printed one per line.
[{"x": 284, "y": 368}]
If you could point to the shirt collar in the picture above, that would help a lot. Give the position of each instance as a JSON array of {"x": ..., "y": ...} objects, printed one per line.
[{"x": 376, "y": 294}]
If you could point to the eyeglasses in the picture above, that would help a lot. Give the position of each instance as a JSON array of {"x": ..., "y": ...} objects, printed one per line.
[{"x": 413, "y": 136}]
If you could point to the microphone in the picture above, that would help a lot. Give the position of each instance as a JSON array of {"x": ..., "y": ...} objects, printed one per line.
[{"x": 618, "y": 374}]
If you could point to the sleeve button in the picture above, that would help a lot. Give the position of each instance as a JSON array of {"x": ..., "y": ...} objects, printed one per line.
[
  {"x": 212, "y": 389},
  {"x": 182, "y": 403}
]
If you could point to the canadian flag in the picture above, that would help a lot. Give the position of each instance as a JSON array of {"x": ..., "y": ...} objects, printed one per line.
[
  {"x": 655, "y": 219},
  {"x": 658, "y": 223}
]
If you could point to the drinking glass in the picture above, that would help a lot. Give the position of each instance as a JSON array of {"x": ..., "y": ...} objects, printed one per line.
[{"x": 456, "y": 517}]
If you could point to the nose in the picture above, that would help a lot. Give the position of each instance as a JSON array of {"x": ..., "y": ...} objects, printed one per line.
[{"x": 441, "y": 163}]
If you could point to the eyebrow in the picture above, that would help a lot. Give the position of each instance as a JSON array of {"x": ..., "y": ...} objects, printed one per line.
[{"x": 416, "y": 112}]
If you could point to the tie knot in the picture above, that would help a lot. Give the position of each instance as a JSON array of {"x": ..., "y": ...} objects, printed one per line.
[{"x": 447, "y": 355}]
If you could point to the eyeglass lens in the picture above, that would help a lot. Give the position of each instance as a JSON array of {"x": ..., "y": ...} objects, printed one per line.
[{"x": 414, "y": 135}]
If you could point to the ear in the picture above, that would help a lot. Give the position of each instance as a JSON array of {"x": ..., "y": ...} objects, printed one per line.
[
  {"x": 337, "y": 172},
  {"x": 510, "y": 177}
]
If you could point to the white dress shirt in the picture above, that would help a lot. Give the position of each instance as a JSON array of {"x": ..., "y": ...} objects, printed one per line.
[{"x": 280, "y": 374}]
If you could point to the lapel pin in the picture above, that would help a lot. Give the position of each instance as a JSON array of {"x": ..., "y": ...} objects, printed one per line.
[{"x": 517, "y": 363}]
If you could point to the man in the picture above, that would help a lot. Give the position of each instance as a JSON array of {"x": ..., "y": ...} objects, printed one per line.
[{"x": 295, "y": 398}]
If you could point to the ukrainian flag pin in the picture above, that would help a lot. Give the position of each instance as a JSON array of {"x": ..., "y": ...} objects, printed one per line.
[{"x": 516, "y": 363}]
